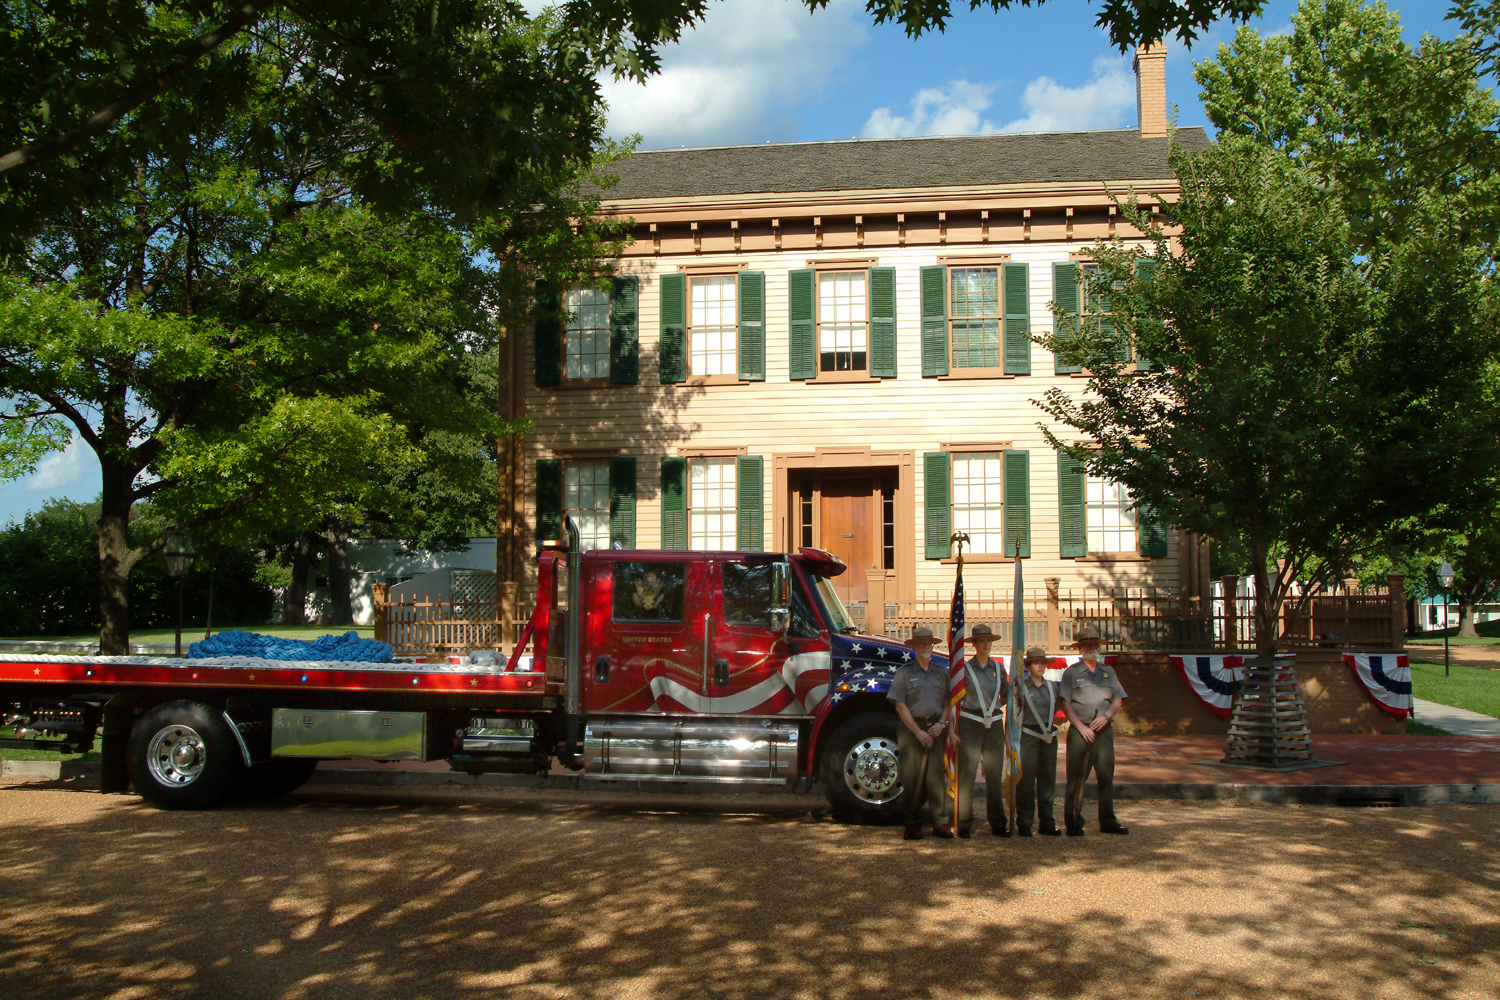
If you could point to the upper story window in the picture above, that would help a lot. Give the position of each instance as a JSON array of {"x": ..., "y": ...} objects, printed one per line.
[
  {"x": 713, "y": 325},
  {"x": 843, "y": 322},
  {"x": 1081, "y": 301},
  {"x": 976, "y": 319},
  {"x": 586, "y": 333}
]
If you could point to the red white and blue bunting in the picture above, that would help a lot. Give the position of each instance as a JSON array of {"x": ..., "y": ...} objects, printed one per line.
[
  {"x": 1213, "y": 679},
  {"x": 1386, "y": 678}
]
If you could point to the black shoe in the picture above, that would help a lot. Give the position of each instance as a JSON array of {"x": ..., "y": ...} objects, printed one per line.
[
  {"x": 1000, "y": 831},
  {"x": 1023, "y": 831},
  {"x": 964, "y": 833},
  {"x": 913, "y": 832},
  {"x": 1115, "y": 828},
  {"x": 943, "y": 832},
  {"x": 1050, "y": 831},
  {"x": 1075, "y": 831}
]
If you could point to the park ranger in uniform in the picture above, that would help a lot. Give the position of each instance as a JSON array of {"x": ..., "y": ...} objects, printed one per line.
[
  {"x": 1091, "y": 697},
  {"x": 980, "y": 735},
  {"x": 920, "y": 693},
  {"x": 1038, "y": 707}
]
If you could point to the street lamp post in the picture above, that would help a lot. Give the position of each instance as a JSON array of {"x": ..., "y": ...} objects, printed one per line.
[
  {"x": 178, "y": 554},
  {"x": 1445, "y": 577}
]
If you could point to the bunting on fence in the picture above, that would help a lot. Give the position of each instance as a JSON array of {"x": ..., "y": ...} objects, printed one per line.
[
  {"x": 1386, "y": 678},
  {"x": 1213, "y": 679}
]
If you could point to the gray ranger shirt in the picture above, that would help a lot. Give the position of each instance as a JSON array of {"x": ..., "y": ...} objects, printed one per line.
[
  {"x": 1090, "y": 691},
  {"x": 985, "y": 679},
  {"x": 924, "y": 692}
]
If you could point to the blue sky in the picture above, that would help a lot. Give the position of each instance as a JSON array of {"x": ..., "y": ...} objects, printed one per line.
[{"x": 770, "y": 70}]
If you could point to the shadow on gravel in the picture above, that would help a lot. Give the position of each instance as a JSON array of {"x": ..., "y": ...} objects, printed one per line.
[{"x": 552, "y": 895}]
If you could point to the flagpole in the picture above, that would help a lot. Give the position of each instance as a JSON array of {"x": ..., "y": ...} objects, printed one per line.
[
  {"x": 1011, "y": 773},
  {"x": 956, "y": 682}
]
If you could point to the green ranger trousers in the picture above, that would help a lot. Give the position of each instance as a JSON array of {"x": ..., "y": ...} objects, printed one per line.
[
  {"x": 1098, "y": 756},
  {"x": 976, "y": 744},
  {"x": 1038, "y": 783},
  {"x": 923, "y": 777}
]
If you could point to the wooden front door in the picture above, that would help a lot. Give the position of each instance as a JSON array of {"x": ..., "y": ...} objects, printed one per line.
[{"x": 849, "y": 528}]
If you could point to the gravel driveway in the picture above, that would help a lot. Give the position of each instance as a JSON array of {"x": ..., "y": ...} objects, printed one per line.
[{"x": 456, "y": 894}]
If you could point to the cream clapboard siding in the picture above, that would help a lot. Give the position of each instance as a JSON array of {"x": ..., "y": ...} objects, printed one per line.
[{"x": 779, "y": 416}]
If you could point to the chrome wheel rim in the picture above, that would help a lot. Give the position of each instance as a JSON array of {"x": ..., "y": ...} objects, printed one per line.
[
  {"x": 176, "y": 756},
  {"x": 872, "y": 770}
]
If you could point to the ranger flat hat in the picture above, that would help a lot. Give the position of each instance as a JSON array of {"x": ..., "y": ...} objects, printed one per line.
[
  {"x": 920, "y": 633},
  {"x": 1036, "y": 653},
  {"x": 981, "y": 632},
  {"x": 1086, "y": 634}
]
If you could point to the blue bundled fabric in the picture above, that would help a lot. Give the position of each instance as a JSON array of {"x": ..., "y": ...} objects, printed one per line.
[{"x": 348, "y": 647}]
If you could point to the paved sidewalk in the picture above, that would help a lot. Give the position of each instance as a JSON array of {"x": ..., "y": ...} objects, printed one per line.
[{"x": 1458, "y": 721}]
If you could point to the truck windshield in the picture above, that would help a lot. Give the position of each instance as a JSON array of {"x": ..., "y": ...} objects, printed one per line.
[{"x": 833, "y": 608}]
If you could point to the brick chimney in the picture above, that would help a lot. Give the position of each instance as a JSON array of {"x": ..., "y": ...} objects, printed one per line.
[{"x": 1151, "y": 89}]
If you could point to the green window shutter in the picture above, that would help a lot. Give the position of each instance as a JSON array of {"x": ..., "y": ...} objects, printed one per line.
[
  {"x": 802, "y": 353},
  {"x": 674, "y": 503},
  {"x": 622, "y": 502},
  {"x": 752, "y": 326},
  {"x": 883, "y": 322},
  {"x": 1065, "y": 294},
  {"x": 749, "y": 495},
  {"x": 937, "y": 489},
  {"x": 1071, "y": 529},
  {"x": 624, "y": 331},
  {"x": 1153, "y": 533},
  {"x": 1017, "y": 513},
  {"x": 549, "y": 332},
  {"x": 673, "y": 291},
  {"x": 1015, "y": 286},
  {"x": 549, "y": 499},
  {"x": 1144, "y": 270},
  {"x": 934, "y": 281}
]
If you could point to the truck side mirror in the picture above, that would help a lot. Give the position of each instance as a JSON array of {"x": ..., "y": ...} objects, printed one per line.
[{"x": 780, "y": 618}]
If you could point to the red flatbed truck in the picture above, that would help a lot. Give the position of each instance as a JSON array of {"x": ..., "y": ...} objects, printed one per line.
[{"x": 735, "y": 667}]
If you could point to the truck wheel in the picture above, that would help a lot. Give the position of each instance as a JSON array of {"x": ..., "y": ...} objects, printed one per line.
[
  {"x": 277, "y": 777},
  {"x": 181, "y": 755},
  {"x": 861, "y": 772}
]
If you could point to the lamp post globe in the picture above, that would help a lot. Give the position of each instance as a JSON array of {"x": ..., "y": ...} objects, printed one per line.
[{"x": 1445, "y": 578}]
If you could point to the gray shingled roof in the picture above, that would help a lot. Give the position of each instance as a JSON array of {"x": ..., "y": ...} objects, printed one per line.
[{"x": 871, "y": 164}]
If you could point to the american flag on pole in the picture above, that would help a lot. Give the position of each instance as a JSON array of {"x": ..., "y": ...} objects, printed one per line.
[{"x": 956, "y": 681}]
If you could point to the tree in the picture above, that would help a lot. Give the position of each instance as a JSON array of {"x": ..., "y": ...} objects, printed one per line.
[
  {"x": 1303, "y": 353},
  {"x": 246, "y": 341}
]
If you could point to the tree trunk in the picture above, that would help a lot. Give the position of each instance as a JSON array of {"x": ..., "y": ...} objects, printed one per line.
[
  {"x": 1466, "y": 626},
  {"x": 294, "y": 603},
  {"x": 115, "y": 561},
  {"x": 341, "y": 610}
]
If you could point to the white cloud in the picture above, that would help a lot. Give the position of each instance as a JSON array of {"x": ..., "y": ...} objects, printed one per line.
[
  {"x": 730, "y": 79},
  {"x": 952, "y": 110},
  {"x": 1107, "y": 100},
  {"x": 61, "y": 469}
]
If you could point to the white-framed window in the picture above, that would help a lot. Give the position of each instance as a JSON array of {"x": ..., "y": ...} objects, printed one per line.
[
  {"x": 586, "y": 500},
  {"x": 843, "y": 321},
  {"x": 974, "y": 316},
  {"x": 1110, "y": 519},
  {"x": 713, "y": 325},
  {"x": 711, "y": 504},
  {"x": 979, "y": 500},
  {"x": 586, "y": 333}
]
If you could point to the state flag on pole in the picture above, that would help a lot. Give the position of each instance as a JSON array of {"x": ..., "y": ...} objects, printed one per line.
[{"x": 956, "y": 681}]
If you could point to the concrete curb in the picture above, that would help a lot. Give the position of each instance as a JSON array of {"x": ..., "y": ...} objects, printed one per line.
[{"x": 1184, "y": 791}]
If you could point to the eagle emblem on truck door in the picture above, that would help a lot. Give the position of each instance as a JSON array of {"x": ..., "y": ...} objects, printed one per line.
[{"x": 649, "y": 591}]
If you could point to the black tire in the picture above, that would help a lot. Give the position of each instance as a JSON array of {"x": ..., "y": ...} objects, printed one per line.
[
  {"x": 860, "y": 774},
  {"x": 277, "y": 777},
  {"x": 181, "y": 755}
]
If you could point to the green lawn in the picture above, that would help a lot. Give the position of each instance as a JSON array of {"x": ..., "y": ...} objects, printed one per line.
[
  {"x": 1473, "y": 688},
  {"x": 8, "y": 732},
  {"x": 195, "y": 634},
  {"x": 1415, "y": 728}
]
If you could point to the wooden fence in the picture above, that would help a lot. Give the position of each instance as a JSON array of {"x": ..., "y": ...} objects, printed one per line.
[
  {"x": 1143, "y": 618},
  {"x": 433, "y": 626}
]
